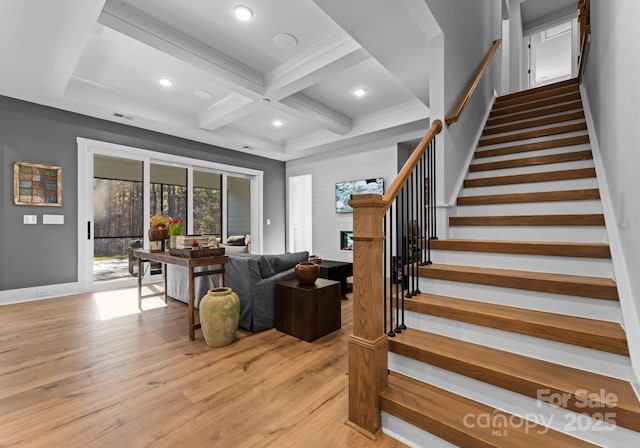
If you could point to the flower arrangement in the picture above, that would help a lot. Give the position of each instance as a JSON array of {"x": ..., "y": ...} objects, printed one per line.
[
  {"x": 176, "y": 226},
  {"x": 158, "y": 221}
]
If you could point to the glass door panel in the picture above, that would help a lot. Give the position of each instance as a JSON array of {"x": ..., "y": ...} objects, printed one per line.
[
  {"x": 238, "y": 206},
  {"x": 117, "y": 216},
  {"x": 207, "y": 203},
  {"x": 168, "y": 195}
]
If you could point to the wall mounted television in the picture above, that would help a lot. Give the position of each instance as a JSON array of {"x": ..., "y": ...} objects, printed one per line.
[{"x": 344, "y": 190}]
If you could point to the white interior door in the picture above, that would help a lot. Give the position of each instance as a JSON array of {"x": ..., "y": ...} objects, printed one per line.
[{"x": 300, "y": 214}]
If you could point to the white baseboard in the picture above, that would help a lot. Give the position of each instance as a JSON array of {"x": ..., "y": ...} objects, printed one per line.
[
  {"x": 38, "y": 293},
  {"x": 630, "y": 317}
]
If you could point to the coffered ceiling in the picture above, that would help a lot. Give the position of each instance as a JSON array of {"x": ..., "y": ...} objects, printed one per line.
[{"x": 233, "y": 81}]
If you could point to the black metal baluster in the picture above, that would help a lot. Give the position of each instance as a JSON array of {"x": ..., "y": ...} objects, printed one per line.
[
  {"x": 435, "y": 216},
  {"x": 384, "y": 270},
  {"x": 409, "y": 226}
]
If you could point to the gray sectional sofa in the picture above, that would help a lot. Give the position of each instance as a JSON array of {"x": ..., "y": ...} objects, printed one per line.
[{"x": 253, "y": 277}]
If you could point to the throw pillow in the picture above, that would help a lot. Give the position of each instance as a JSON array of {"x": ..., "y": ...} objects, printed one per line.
[
  {"x": 287, "y": 261},
  {"x": 265, "y": 268},
  {"x": 237, "y": 240}
]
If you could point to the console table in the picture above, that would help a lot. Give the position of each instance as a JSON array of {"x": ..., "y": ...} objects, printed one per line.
[{"x": 190, "y": 263}]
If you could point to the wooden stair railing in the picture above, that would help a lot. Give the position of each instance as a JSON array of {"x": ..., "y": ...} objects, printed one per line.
[
  {"x": 368, "y": 345},
  {"x": 584, "y": 19},
  {"x": 450, "y": 119}
]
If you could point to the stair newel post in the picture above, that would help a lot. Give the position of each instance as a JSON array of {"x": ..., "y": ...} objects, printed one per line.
[{"x": 368, "y": 373}]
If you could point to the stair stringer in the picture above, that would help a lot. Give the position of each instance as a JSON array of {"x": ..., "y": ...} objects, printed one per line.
[{"x": 630, "y": 313}]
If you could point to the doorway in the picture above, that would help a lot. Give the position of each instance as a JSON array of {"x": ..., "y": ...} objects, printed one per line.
[
  {"x": 552, "y": 54},
  {"x": 300, "y": 214}
]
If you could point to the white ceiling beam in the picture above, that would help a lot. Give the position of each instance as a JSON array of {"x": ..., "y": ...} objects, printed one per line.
[
  {"x": 227, "y": 110},
  {"x": 301, "y": 105},
  {"x": 230, "y": 73},
  {"x": 326, "y": 58},
  {"x": 412, "y": 111},
  {"x": 41, "y": 42}
]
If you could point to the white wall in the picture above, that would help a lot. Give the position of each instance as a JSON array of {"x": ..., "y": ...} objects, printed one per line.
[
  {"x": 517, "y": 73},
  {"x": 612, "y": 88},
  {"x": 326, "y": 170},
  {"x": 469, "y": 29}
]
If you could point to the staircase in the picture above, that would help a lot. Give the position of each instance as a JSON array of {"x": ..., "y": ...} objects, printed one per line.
[{"x": 515, "y": 339}]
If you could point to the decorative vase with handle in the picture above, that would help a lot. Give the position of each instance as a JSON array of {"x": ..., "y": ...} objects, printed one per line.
[
  {"x": 307, "y": 273},
  {"x": 219, "y": 316}
]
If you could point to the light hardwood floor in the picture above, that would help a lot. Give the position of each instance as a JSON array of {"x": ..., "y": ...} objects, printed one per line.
[{"x": 69, "y": 379}]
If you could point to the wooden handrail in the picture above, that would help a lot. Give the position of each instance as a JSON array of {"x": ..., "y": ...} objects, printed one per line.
[
  {"x": 450, "y": 119},
  {"x": 584, "y": 19},
  {"x": 410, "y": 164}
]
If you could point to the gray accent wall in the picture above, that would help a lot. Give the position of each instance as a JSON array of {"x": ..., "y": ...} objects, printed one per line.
[{"x": 37, "y": 255}]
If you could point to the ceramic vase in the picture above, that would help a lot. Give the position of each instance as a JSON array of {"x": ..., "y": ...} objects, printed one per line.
[
  {"x": 219, "y": 315},
  {"x": 307, "y": 273}
]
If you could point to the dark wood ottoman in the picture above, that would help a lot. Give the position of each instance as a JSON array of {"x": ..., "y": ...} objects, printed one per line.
[{"x": 308, "y": 312}]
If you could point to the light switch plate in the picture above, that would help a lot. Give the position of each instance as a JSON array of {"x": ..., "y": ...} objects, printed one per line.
[
  {"x": 52, "y": 219},
  {"x": 30, "y": 219}
]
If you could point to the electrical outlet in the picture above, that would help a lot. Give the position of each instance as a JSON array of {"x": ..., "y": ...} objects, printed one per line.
[
  {"x": 43, "y": 293},
  {"x": 30, "y": 219}
]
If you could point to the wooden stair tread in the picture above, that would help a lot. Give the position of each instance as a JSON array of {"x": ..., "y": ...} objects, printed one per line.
[
  {"x": 541, "y": 112},
  {"x": 545, "y": 132},
  {"x": 579, "y": 115},
  {"x": 529, "y": 220},
  {"x": 521, "y": 374},
  {"x": 582, "y": 173},
  {"x": 589, "y": 333},
  {"x": 590, "y": 250},
  {"x": 532, "y": 161},
  {"x": 544, "y": 196},
  {"x": 521, "y": 93},
  {"x": 573, "y": 285},
  {"x": 533, "y": 96},
  {"x": 442, "y": 413},
  {"x": 499, "y": 112},
  {"x": 536, "y": 146}
]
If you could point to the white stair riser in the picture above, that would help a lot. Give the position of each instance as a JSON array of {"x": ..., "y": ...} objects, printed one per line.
[
  {"x": 559, "y": 419},
  {"x": 585, "y": 207},
  {"x": 410, "y": 435},
  {"x": 527, "y": 154},
  {"x": 533, "y": 187},
  {"x": 535, "y": 128},
  {"x": 535, "y": 118},
  {"x": 595, "y": 267},
  {"x": 607, "y": 310},
  {"x": 532, "y": 169},
  {"x": 585, "y": 234},
  {"x": 597, "y": 361},
  {"x": 535, "y": 140}
]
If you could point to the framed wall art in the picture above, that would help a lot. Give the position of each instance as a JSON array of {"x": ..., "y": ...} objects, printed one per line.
[{"x": 37, "y": 184}]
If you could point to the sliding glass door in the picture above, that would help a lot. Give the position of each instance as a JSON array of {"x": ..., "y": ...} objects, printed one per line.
[{"x": 117, "y": 216}]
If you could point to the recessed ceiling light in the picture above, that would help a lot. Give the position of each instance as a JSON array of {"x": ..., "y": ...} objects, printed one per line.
[
  {"x": 203, "y": 94},
  {"x": 360, "y": 92},
  {"x": 278, "y": 123},
  {"x": 243, "y": 13},
  {"x": 285, "y": 41},
  {"x": 165, "y": 82}
]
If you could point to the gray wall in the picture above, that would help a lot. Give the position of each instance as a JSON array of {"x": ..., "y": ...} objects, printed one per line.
[
  {"x": 37, "y": 255},
  {"x": 611, "y": 83},
  {"x": 469, "y": 29}
]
